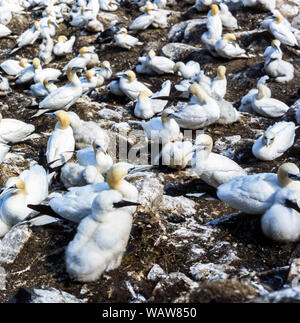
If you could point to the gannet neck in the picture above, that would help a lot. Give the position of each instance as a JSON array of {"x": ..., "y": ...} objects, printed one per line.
[
  {"x": 221, "y": 72},
  {"x": 261, "y": 91},
  {"x": 63, "y": 119},
  {"x": 73, "y": 78}
]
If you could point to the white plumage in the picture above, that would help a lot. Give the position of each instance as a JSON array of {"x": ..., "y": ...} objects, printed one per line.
[
  {"x": 64, "y": 46},
  {"x": 225, "y": 47}
]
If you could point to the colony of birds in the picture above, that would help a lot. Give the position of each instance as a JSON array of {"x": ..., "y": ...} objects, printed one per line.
[{"x": 81, "y": 63}]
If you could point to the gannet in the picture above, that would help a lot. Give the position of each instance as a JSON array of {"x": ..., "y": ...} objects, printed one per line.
[
  {"x": 5, "y": 15},
  {"x": 101, "y": 238},
  {"x": 4, "y": 31},
  {"x": 225, "y": 47},
  {"x": 108, "y": 5},
  {"x": 214, "y": 169},
  {"x": 267, "y": 107},
  {"x": 263, "y": 4},
  {"x": 275, "y": 66},
  {"x": 146, "y": 108},
  {"x": 275, "y": 141},
  {"x": 31, "y": 187},
  {"x": 77, "y": 202},
  {"x": 188, "y": 70},
  {"x": 63, "y": 97},
  {"x": 82, "y": 18},
  {"x": 143, "y": 21},
  {"x": 42, "y": 89},
  {"x": 131, "y": 87},
  {"x": 46, "y": 47},
  {"x": 61, "y": 143},
  {"x": 64, "y": 46},
  {"x": 89, "y": 82},
  {"x": 219, "y": 84},
  {"x": 4, "y": 86},
  {"x": 4, "y": 149},
  {"x": 27, "y": 74},
  {"x": 114, "y": 88},
  {"x": 81, "y": 60},
  {"x": 281, "y": 30},
  {"x": 13, "y": 130},
  {"x": 40, "y": 74},
  {"x": 214, "y": 22},
  {"x": 281, "y": 222},
  {"x": 209, "y": 41},
  {"x": 28, "y": 37},
  {"x": 86, "y": 132},
  {"x": 228, "y": 20},
  {"x": 104, "y": 70},
  {"x": 162, "y": 128},
  {"x": 198, "y": 114},
  {"x": 228, "y": 113},
  {"x": 49, "y": 28},
  {"x": 122, "y": 39},
  {"x": 13, "y": 67},
  {"x": 160, "y": 64},
  {"x": 255, "y": 194}
]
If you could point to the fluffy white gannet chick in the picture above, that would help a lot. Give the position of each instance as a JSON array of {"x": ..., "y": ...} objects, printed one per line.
[
  {"x": 163, "y": 128},
  {"x": 202, "y": 112},
  {"x": 219, "y": 84},
  {"x": 101, "y": 238},
  {"x": 61, "y": 143},
  {"x": 123, "y": 40},
  {"x": 255, "y": 194},
  {"x": 267, "y": 107},
  {"x": 31, "y": 187},
  {"x": 228, "y": 20},
  {"x": 131, "y": 87},
  {"x": 282, "y": 221},
  {"x": 275, "y": 66},
  {"x": 160, "y": 64},
  {"x": 77, "y": 202},
  {"x": 63, "y": 97},
  {"x": 227, "y": 48},
  {"x": 275, "y": 141},
  {"x": 214, "y": 169},
  {"x": 13, "y": 130},
  {"x": 281, "y": 30},
  {"x": 64, "y": 46},
  {"x": 188, "y": 70},
  {"x": 86, "y": 132},
  {"x": 13, "y": 67}
]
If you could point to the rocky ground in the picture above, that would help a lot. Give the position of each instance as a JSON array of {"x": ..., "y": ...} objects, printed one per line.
[{"x": 182, "y": 248}]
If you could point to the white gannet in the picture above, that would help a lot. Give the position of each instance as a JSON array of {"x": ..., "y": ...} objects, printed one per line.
[
  {"x": 64, "y": 46},
  {"x": 131, "y": 87},
  {"x": 246, "y": 102},
  {"x": 40, "y": 74},
  {"x": 89, "y": 82},
  {"x": 5, "y": 15},
  {"x": 123, "y": 40},
  {"x": 81, "y": 60},
  {"x": 63, "y": 97},
  {"x": 4, "y": 31},
  {"x": 28, "y": 37},
  {"x": 228, "y": 20},
  {"x": 13, "y": 130},
  {"x": 45, "y": 51},
  {"x": 142, "y": 66},
  {"x": 108, "y": 5},
  {"x": 27, "y": 74},
  {"x": 82, "y": 18},
  {"x": 200, "y": 113},
  {"x": 275, "y": 66},
  {"x": 86, "y": 132},
  {"x": 13, "y": 67},
  {"x": 77, "y": 202},
  {"x": 281, "y": 222},
  {"x": 160, "y": 64},
  {"x": 101, "y": 238},
  {"x": 49, "y": 28},
  {"x": 143, "y": 21},
  {"x": 281, "y": 30},
  {"x": 214, "y": 22},
  {"x": 254, "y": 194},
  {"x": 114, "y": 88},
  {"x": 188, "y": 70},
  {"x": 162, "y": 128},
  {"x": 214, "y": 169},
  {"x": 266, "y": 106},
  {"x": 42, "y": 89},
  {"x": 219, "y": 83},
  {"x": 225, "y": 47},
  {"x": 61, "y": 143},
  {"x": 4, "y": 86},
  {"x": 4, "y": 149},
  {"x": 228, "y": 113},
  {"x": 31, "y": 187},
  {"x": 277, "y": 139},
  {"x": 104, "y": 70},
  {"x": 209, "y": 40}
]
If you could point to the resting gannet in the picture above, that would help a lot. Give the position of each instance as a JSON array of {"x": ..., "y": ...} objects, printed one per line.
[
  {"x": 188, "y": 70},
  {"x": 122, "y": 39},
  {"x": 13, "y": 67},
  {"x": 64, "y": 46},
  {"x": 219, "y": 84},
  {"x": 225, "y": 47}
]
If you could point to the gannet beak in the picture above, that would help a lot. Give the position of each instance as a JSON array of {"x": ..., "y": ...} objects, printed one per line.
[
  {"x": 77, "y": 68},
  {"x": 55, "y": 24},
  {"x": 294, "y": 177},
  {"x": 140, "y": 168},
  {"x": 53, "y": 81},
  {"x": 8, "y": 190},
  {"x": 292, "y": 204},
  {"x": 173, "y": 116},
  {"x": 124, "y": 203},
  {"x": 99, "y": 147}
]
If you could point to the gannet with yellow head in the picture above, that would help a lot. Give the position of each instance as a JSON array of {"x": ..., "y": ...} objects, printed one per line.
[{"x": 227, "y": 49}]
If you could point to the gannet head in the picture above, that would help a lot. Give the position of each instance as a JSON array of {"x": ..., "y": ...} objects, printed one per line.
[
  {"x": 199, "y": 92},
  {"x": 36, "y": 63},
  {"x": 131, "y": 76},
  {"x": 279, "y": 18},
  {"x": 287, "y": 173},
  {"x": 214, "y": 9},
  {"x": 105, "y": 64},
  {"x": 84, "y": 50},
  {"x": 63, "y": 119},
  {"x": 23, "y": 62},
  {"x": 221, "y": 72},
  {"x": 90, "y": 74},
  {"x": 49, "y": 10},
  {"x": 262, "y": 90},
  {"x": 229, "y": 37},
  {"x": 268, "y": 137},
  {"x": 204, "y": 142},
  {"x": 148, "y": 10},
  {"x": 276, "y": 43},
  {"x": 97, "y": 147},
  {"x": 14, "y": 185},
  {"x": 165, "y": 116},
  {"x": 116, "y": 173},
  {"x": 177, "y": 66},
  {"x": 62, "y": 38},
  {"x": 122, "y": 31},
  {"x": 36, "y": 25}
]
